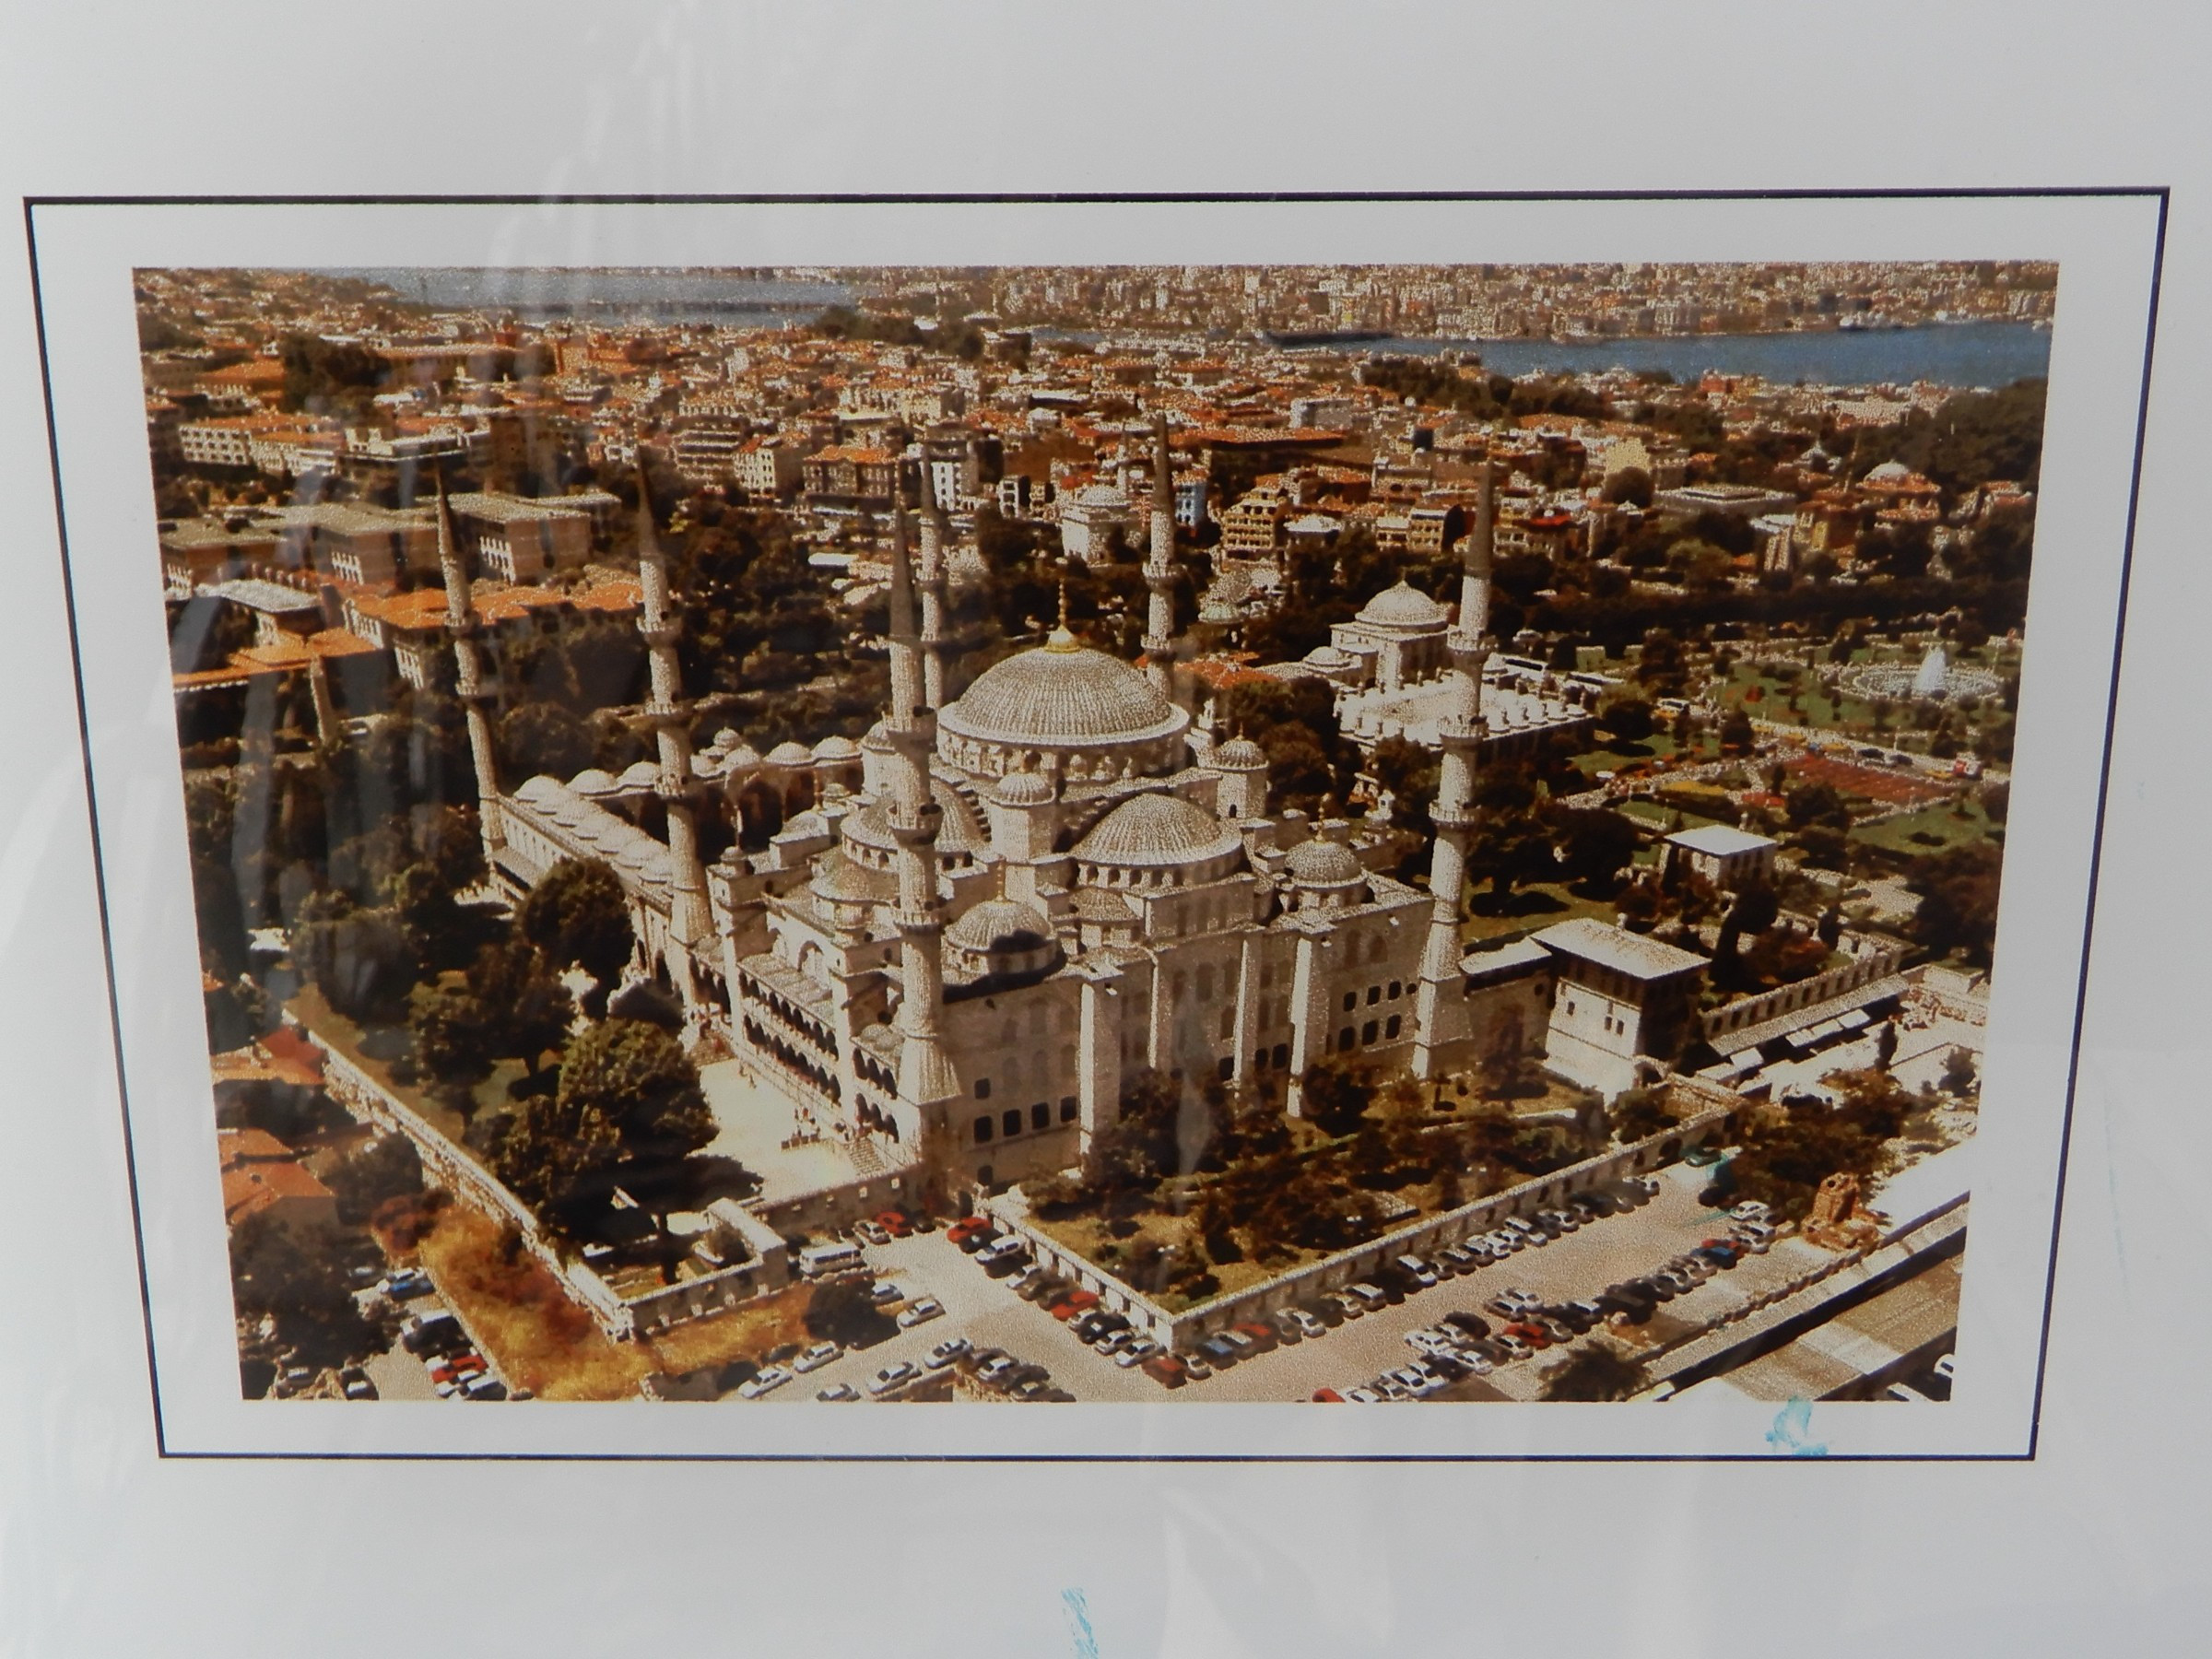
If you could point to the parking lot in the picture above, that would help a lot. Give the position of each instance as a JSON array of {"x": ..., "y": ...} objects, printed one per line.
[{"x": 1581, "y": 1265}]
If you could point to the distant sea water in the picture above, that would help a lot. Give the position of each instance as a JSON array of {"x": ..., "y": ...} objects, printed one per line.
[
  {"x": 609, "y": 296},
  {"x": 1964, "y": 353},
  {"x": 1960, "y": 354}
]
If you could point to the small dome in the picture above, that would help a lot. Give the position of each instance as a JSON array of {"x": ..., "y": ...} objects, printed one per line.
[
  {"x": 1403, "y": 607},
  {"x": 742, "y": 758},
  {"x": 727, "y": 738},
  {"x": 841, "y": 882},
  {"x": 879, "y": 740},
  {"x": 1319, "y": 863},
  {"x": 789, "y": 754},
  {"x": 639, "y": 774},
  {"x": 1890, "y": 472},
  {"x": 1241, "y": 754},
  {"x": 836, "y": 748},
  {"x": 1327, "y": 656},
  {"x": 1025, "y": 789},
  {"x": 591, "y": 782},
  {"x": 1000, "y": 926},
  {"x": 1156, "y": 829}
]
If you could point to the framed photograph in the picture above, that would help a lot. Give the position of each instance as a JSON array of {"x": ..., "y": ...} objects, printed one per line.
[{"x": 1213, "y": 812}]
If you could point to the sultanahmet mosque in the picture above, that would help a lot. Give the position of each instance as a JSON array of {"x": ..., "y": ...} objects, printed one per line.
[{"x": 974, "y": 926}]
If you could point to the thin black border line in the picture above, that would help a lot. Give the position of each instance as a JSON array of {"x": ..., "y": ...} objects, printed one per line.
[
  {"x": 2104, "y": 787},
  {"x": 1095, "y": 198},
  {"x": 99, "y": 867},
  {"x": 2161, "y": 192}
]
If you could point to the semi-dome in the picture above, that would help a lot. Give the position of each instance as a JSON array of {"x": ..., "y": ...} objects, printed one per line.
[
  {"x": 1003, "y": 937},
  {"x": 1403, "y": 607},
  {"x": 957, "y": 833},
  {"x": 1319, "y": 863},
  {"x": 998, "y": 926},
  {"x": 1024, "y": 789},
  {"x": 1154, "y": 831},
  {"x": 1062, "y": 695}
]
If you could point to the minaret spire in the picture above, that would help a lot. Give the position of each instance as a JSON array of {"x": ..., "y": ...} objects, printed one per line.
[
  {"x": 462, "y": 623},
  {"x": 930, "y": 582},
  {"x": 1440, "y": 1009},
  {"x": 1160, "y": 568},
  {"x": 668, "y": 713},
  {"x": 926, "y": 1076}
]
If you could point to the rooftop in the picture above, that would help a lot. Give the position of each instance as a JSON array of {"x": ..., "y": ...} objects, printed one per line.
[
  {"x": 1633, "y": 954},
  {"x": 1719, "y": 840}
]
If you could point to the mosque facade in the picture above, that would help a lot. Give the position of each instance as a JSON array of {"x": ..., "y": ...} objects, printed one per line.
[{"x": 974, "y": 927}]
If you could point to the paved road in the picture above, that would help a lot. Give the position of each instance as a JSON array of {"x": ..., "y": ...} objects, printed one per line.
[{"x": 1585, "y": 1262}]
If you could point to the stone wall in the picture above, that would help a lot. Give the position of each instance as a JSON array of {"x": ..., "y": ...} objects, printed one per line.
[{"x": 1185, "y": 1330}]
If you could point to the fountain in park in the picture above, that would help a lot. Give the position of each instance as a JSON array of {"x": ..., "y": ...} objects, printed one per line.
[{"x": 1938, "y": 679}]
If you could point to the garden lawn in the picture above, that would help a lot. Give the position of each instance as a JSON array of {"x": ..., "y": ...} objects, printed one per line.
[
  {"x": 1492, "y": 917},
  {"x": 1939, "y": 820}
]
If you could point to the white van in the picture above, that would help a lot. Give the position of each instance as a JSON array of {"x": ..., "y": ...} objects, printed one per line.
[{"x": 817, "y": 1259}]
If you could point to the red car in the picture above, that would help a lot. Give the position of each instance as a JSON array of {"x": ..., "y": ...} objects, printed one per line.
[
  {"x": 1535, "y": 1336},
  {"x": 895, "y": 1223},
  {"x": 970, "y": 1232},
  {"x": 1329, "y": 1395},
  {"x": 1263, "y": 1337},
  {"x": 1165, "y": 1368},
  {"x": 1073, "y": 1303}
]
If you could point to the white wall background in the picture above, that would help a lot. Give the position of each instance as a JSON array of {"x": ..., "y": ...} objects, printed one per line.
[{"x": 2096, "y": 1545}]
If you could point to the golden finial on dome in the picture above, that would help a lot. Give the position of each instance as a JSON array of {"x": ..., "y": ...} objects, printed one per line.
[{"x": 1062, "y": 638}]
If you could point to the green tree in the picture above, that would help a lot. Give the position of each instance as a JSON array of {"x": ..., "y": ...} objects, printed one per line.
[
  {"x": 373, "y": 1174},
  {"x": 1592, "y": 1369},
  {"x": 844, "y": 1311},
  {"x": 1334, "y": 1095},
  {"x": 1959, "y": 900},
  {"x": 297, "y": 1277},
  {"x": 1628, "y": 720},
  {"x": 1631, "y": 484},
  {"x": 543, "y": 739},
  {"x": 579, "y": 917}
]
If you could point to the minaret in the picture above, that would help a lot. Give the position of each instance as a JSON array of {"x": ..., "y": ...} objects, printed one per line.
[
  {"x": 1160, "y": 569},
  {"x": 926, "y": 1077},
  {"x": 930, "y": 581},
  {"x": 1440, "y": 1009},
  {"x": 669, "y": 714},
  {"x": 1474, "y": 564},
  {"x": 462, "y": 622}
]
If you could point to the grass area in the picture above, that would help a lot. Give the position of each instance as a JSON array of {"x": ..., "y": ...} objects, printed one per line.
[
  {"x": 1493, "y": 917},
  {"x": 1932, "y": 828},
  {"x": 342, "y": 1034},
  {"x": 1652, "y": 812},
  {"x": 539, "y": 1338},
  {"x": 544, "y": 1342},
  {"x": 1660, "y": 747}
]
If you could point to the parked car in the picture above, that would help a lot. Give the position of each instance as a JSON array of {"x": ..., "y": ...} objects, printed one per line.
[
  {"x": 1263, "y": 1338},
  {"x": 1135, "y": 1353},
  {"x": 356, "y": 1383},
  {"x": 1458, "y": 1258},
  {"x": 1346, "y": 1304},
  {"x": 1362, "y": 1396},
  {"x": 1073, "y": 1303},
  {"x": 883, "y": 1291},
  {"x": 869, "y": 1233},
  {"x": 1195, "y": 1368},
  {"x": 966, "y": 1228},
  {"x": 483, "y": 1387},
  {"x": 1472, "y": 1327},
  {"x": 1167, "y": 1369},
  {"x": 1432, "y": 1341},
  {"x": 1306, "y": 1323},
  {"x": 1220, "y": 1351},
  {"x": 1038, "y": 1285},
  {"x": 928, "y": 1308},
  {"x": 837, "y": 1392},
  {"x": 763, "y": 1382},
  {"x": 947, "y": 1352},
  {"x": 1003, "y": 1257},
  {"x": 893, "y": 1376},
  {"x": 406, "y": 1284},
  {"x": 1750, "y": 1210},
  {"x": 895, "y": 1223},
  {"x": 815, "y": 1358},
  {"x": 1416, "y": 1269}
]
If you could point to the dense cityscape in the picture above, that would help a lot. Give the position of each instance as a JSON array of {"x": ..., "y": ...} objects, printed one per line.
[{"x": 1132, "y": 835}]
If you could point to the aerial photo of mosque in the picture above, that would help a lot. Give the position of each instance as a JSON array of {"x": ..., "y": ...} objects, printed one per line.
[{"x": 891, "y": 854}]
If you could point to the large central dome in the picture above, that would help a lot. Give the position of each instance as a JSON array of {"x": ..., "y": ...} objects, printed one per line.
[{"x": 1062, "y": 700}]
